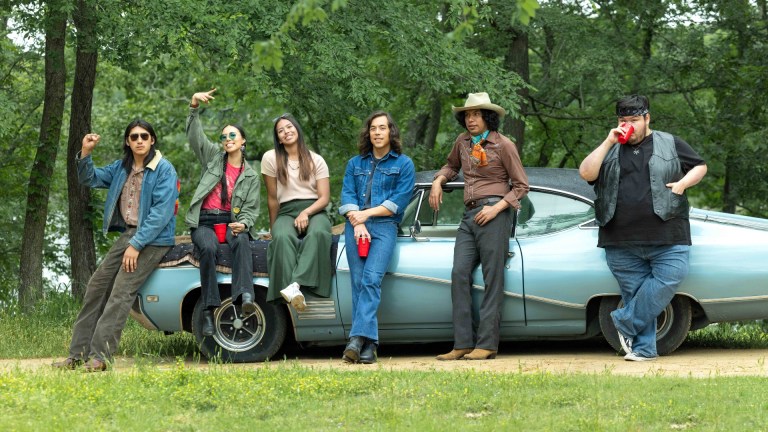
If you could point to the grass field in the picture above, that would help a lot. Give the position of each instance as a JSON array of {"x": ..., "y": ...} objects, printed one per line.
[
  {"x": 282, "y": 397},
  {"x": 287, "y": 396}
]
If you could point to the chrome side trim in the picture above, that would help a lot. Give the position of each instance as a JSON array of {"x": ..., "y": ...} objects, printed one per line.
[
  {"x": 734, "y": 299},
  {"x": 318, "y": 309},
  {"x": 554, "y": 302}
]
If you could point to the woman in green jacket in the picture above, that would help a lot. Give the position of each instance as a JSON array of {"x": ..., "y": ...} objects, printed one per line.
[{"x": 228, "y": 193}]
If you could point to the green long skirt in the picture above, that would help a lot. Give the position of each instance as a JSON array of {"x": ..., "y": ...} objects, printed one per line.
[{"x": 305, "y": 260}]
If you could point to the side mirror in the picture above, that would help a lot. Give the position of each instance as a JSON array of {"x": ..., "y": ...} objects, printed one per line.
[{"x": 416, "y": 229}]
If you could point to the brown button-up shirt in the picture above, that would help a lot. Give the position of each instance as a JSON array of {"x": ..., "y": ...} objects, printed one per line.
[
  {"x": 504, "y": 175},
  {"x": 130, "y": 197}
]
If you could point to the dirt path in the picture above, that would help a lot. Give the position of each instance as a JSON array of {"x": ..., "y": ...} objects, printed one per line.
[{"x": 695, "y": 362}]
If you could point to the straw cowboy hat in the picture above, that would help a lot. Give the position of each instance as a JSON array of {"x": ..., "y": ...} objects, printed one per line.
[{"x": 479, "y": 101}]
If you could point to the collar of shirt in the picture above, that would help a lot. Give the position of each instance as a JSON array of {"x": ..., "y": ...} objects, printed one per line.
[
  {"x": 482, "y": 136},
  {"x": 391, "y": 153}
]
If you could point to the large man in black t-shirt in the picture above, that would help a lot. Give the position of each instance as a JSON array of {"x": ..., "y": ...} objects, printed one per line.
[{"x": 642, "y": 212}]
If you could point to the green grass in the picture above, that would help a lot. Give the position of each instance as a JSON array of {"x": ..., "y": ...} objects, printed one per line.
[
  {"x": 47, "y": 331},
  {"x": 284, "y": 396}
]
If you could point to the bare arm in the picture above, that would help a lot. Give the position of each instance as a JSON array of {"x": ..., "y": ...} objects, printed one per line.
[
  {"x": 272, "y": 204},
  {"x": 323, "y": 197},
  {"x": 590, "y": 166},
  {"x": 436, "y": 193},
  {"x": 360, "y": 216},
  {"x": 692, "y": 178}
]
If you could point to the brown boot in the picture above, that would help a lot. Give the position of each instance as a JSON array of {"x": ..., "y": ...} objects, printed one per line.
[
  {"x": 455, "y": 354},
  {"x": 480, "y": 354},
  {"x": 68, "y": 363}
]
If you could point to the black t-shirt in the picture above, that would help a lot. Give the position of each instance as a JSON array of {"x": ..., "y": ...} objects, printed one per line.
[
  {"x": 634, "y": 221},
  {"x": 369, "y": 185}
]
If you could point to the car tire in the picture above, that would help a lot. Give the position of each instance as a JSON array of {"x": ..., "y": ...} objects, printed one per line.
[
  {"x": 239, "y": 339},
  {"x": 672, "y": 325}
]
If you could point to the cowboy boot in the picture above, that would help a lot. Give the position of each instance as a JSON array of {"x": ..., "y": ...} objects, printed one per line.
[
  {"x": 455, "y": 354},
  {"x": 480, "y": 354}
]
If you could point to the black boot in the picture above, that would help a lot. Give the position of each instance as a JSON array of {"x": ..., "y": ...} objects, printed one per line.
[
  {"x": 248, "y": 307},
  {"x": 352, "y": 351},
  {"x": 368, "y": 354},
  {"x": 208, "y": 327}
]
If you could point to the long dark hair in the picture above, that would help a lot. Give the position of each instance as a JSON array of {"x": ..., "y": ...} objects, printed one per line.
[
  {"x": 364, "y": 141},
  {"x": 128, "y": 153},
  {"x": 224, "y": 191},
  {"x": 491, "y": 119},
  {"x": 306, "y": 165}
]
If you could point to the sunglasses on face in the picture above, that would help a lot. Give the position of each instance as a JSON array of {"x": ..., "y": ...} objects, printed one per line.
[
  {"x": 135, "y": 136},
  {"x": 231, "y": 135}
]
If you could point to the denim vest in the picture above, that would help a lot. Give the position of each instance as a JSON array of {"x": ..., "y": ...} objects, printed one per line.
[
  {"x": 392, "y": 185},
  {"x": 664, "y": 167}
]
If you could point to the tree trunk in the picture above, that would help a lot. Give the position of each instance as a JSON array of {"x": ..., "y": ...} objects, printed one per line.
[
  {"x": 5, "y": 10},
  {"x": 31, "y": 260},
  {"x": 518, "y": 62},
  {"x": 416, "y": 131},
  {"x": 433, "y": 124},
  {"x": 82, "y": 253}
]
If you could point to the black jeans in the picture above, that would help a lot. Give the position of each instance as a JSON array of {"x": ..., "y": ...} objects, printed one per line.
[
  {"x": 486, "y": 245},
  {"x": 242, "y": 266}
]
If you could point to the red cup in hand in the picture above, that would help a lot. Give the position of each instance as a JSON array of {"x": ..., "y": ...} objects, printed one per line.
[
  {"x": 363, "y": 245},
  {"x": 628, "y": 131},
  {"x": 221, "y": 232}
]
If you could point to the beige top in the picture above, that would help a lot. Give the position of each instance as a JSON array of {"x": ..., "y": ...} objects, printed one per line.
[{"x": 294, "y": 188}]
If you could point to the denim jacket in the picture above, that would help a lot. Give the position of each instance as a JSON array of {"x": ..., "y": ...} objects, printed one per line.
[
  {"x": 392, "y": 185},
  {"x": 157, "y": 203}
]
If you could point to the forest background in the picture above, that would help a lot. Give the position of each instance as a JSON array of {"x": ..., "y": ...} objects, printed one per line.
[{"x": 68, "y": 67}]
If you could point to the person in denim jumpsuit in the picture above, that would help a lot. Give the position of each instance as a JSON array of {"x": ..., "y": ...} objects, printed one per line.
[
  {"x": 141, "y": 205},
  {"x": 377, "y": 187},
  {"x": 642, "y": 212}
]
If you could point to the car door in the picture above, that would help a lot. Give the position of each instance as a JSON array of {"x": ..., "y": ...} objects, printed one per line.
[
  {"x": 416, "y": 292},
  {"x": 564, "y": 268}
]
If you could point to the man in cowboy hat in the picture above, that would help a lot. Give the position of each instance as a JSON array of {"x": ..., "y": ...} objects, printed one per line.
[{"x": 494, "y": 181}]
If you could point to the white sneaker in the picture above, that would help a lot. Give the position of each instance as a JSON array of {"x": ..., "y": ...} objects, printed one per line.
[
  {"x": 626, "y": 342},
  {"x": 638, "y": 357},
  {"x": 289, "y": 292}
]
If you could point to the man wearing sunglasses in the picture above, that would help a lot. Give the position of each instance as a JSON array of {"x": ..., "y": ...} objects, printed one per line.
[{"x": 141, "y": 205}]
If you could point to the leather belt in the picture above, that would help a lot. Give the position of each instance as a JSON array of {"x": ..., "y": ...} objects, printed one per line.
[
  {"x": 215, "y": 212},
  {"x": 482, "y": 201}
]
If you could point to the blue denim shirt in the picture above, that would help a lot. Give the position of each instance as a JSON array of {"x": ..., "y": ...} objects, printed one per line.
[
  {"x": 157, "y": 203},
  {"x": 392, "y": 185}
]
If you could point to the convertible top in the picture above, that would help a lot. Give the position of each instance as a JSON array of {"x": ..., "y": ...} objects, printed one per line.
[{"x": 564, "y": 179}]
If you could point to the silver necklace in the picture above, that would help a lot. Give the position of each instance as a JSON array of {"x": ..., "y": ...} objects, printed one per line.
[{"x": 291, "y": 164}]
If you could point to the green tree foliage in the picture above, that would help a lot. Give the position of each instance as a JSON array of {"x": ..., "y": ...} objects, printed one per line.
[{"x": 332, "y": 62}]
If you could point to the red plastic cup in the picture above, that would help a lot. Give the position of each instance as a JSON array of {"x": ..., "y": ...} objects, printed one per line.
[
  {"x": 221, "y": 232},
  {"x": 363, "y": 245},
  {"x": 628, "y": 131}
]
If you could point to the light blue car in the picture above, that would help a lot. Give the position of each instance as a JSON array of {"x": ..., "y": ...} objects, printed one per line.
[{"x": 557, "y": 283}]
